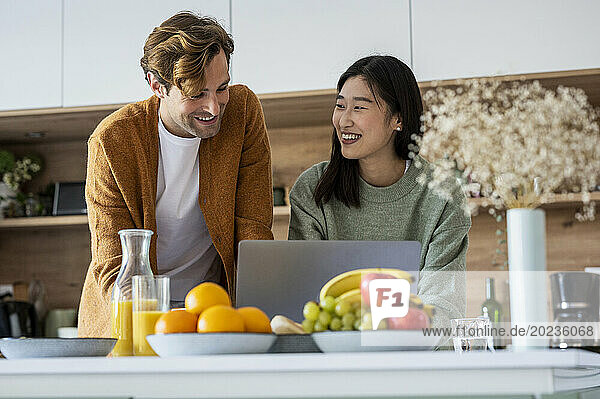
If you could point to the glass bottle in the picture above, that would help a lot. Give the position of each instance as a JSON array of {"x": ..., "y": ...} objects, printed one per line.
[
  {"x": 493, "y": 310},
  {"x": 135, "y": 244},
  {"x": 491, "y": 307}
]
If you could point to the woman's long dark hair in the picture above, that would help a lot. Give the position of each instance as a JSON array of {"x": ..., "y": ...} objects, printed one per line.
[{"x": 392, "y": 81}]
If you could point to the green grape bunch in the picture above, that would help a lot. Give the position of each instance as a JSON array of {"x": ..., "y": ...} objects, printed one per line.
[{"x": 334, "y": 315}]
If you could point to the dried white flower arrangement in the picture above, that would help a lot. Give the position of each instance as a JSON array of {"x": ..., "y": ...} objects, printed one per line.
[{"x": 500, "y": 136}]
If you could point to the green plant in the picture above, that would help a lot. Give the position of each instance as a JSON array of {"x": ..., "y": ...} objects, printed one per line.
[
  {"x": 7, "y": 161},
  {"x": 23, "y": 170}
]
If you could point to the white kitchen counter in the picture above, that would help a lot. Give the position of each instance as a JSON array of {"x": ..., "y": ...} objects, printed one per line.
[{"x": 384, "y": 374}]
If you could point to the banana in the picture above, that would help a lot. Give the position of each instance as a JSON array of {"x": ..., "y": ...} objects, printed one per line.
[
  {"x": 352, "y": 296},
  {"x": 281, "y": 325},
  {"x": 430, "y": 310},
  {"x": 351, "y": 280},
  {"x": 416, "y": 302}
]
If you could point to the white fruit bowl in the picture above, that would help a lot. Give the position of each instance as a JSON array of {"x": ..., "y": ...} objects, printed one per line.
[
  {"x": 374, "y": 341},
  {"x": 195, "y": 344}
]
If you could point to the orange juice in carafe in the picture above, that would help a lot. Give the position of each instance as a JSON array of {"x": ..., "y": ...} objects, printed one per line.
[
  {"x": 143, "y": 324},
  {"x": 135, "y": 261},
  {"x": 121, "y": 328}
]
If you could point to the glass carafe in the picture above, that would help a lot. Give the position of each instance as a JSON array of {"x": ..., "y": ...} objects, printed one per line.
[{"x": 135, "y": 245}]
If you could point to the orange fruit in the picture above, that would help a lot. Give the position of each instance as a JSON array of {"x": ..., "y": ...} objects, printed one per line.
[
  {"x": 220, "y": 318},
  {"x": 204, "y": 296},
  {"x": 176, "y": 321},
  {"x": 255, "y": 320}
]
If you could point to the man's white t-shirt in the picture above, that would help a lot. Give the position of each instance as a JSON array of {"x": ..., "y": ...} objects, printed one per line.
[{"x": 185, "y": 250}]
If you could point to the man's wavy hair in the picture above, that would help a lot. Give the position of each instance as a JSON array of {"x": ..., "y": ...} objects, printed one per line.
[{"x": 178, "y": 51}]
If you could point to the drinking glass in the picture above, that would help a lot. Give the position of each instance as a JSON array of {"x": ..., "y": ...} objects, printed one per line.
[
  {"x": 151, "y": 298},
  {"x": 472, "y": 334}
]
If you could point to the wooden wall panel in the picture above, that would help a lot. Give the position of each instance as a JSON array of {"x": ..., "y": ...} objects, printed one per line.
[
  {"x": 59, "y": 257},
  {"x": 570, "y": 245},
  {"x": 294, "y": 150},
  {"x": 280, "y": 227}
]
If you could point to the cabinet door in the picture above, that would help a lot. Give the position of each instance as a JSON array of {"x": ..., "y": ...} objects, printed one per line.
[
  {"x": 30, "y": 60},
  {"x": 104, "y": 42},
  {"x": 302, "y": 45},
  {"x": 466, "y": 38}
]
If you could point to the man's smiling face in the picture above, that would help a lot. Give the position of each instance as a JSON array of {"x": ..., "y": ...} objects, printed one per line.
[{"x": 201, "y": 115}]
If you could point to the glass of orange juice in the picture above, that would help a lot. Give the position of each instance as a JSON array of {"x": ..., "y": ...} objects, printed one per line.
[{"x": 151, "y": 298}]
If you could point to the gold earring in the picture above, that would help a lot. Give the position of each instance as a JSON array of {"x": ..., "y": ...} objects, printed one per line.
[{"x": 399, "y": 129}]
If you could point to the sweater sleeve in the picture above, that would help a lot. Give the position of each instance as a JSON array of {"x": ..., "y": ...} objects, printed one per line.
[
  {"x": 107, "y": 214},
  {"x": 307, "y": 221},
  {"x": 254, "y": 193},
  {"x": 442, "y": 280}
]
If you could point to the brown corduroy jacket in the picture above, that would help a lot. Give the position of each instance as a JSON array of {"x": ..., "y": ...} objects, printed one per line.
[{"x": 235, "y": 192}]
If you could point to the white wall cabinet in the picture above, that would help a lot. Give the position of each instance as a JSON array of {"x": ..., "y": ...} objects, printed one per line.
[
  {"x": 82, "y": 52},
  {"x": 103, "y": 44},
  {"x": 30, "y": 54},
  {"x": 467, "y": 38},
  {"x": 303, "y": 45}
]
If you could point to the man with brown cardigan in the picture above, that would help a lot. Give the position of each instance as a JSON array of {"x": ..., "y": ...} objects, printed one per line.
[{"x": 192, "y": 163}]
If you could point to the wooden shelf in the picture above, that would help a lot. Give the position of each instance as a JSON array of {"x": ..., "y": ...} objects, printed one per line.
[
  {"x": 43, "y": 221},
  {"x": 560, "y": 200},
  {"x": 75, "y": 220},
  {"x": 282, "y": 110}
]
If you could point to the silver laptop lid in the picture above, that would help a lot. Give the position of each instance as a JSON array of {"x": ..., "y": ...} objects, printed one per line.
[{"x": 279, "y": 277}]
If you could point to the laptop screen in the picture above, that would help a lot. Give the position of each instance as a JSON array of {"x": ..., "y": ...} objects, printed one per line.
[{"x": 279, "y": 277}]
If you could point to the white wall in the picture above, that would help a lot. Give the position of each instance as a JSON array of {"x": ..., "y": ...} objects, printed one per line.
[
  {"x": 466, "y": 38},
  {"x": 104, "y": 42},
  {"x": 30, "y": 54},
  {"x": 305, "y": 45}
]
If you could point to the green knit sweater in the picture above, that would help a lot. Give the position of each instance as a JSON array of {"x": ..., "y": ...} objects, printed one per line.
[{"x": 404, "y": 211}]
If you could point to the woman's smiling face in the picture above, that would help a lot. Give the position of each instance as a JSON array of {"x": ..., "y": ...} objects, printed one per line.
[{"x": 363, "y": 124}]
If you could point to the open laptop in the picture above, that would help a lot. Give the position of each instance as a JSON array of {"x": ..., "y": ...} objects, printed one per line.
[{"x": 279, "y": 277}]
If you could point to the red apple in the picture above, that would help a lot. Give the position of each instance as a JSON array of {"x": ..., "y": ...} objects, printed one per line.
[
  {"x": 364, "y": 285},
  {"x": 415, "y": 319}
]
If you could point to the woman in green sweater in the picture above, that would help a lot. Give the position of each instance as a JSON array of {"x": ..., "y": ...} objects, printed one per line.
[{"x": 369, "y": 188}]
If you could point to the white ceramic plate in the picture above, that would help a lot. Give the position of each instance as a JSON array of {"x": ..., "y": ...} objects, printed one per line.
[
  {"x": 21, "y": 348},
  {"x": 195, "y": 344},
  {"x": 374, "y": 341}
]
